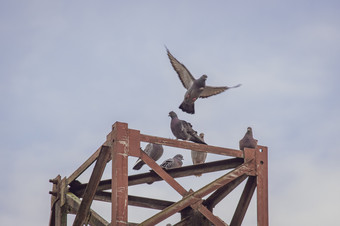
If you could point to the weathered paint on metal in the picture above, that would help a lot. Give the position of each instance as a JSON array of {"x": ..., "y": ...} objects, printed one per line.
[
  {"x": 125, "y": 142},
  {"x": 134, "y": 143},
  {"x": 262, "y": 185},
  {"x": 222, "y": 192},
  {"x": 160, "y": 171},
  {"x": 151, "y": 176},
  {"x": 194, "y": 197},
  {"x": 244, "y": 201},
  {"x": 119, "y": 153},
  {"x": 192, "y": 146},
  {"x": 92, "y": 186}
]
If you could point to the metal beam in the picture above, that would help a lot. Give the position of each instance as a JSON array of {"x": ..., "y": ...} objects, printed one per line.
[
  {"x": 92, "y": 186},
  {"x": 149, "y": 203},
  {"x": 243, "y": 204},
  {"x": 85, "y": 165},
  {"x": 165, "y": 176},
  {"x": 222, "y": 192},
  {"x": 151, "y": 176},
  {"x": 54, "y": 198},
  {"x": 192, "y": 146},
  {"x": 119, "y": 186},
  {"x": 136, "y": 201},
  {"x": 73, "y": 203},
  {"x": 262, "y": 185},
  {"x": 175, "y": 185},
  {"x": 124, "y": 142},
  {"x": 186, "y": 171},
  {"x": 196, "y": 196}
]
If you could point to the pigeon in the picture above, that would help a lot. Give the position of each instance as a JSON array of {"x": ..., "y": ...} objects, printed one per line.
[
  {"x": 154, "y": 151},
  {"x": 248, "y": 141},
  {"x": 173, "y": 162},
  {"x": 198, "y": 157},
  {"x": 183, "y": 130},
  {"x": 195, "y": 87}
]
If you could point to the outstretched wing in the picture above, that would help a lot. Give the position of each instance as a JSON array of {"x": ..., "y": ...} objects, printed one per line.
[
  {"x": 210, "y": 90},
  {"x": 183, "y": 73}
]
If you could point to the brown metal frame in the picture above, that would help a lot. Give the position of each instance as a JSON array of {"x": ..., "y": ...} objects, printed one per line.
[{"x": 123, "y": 142}]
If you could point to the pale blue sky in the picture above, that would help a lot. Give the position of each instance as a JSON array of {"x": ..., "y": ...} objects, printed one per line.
[{"x": 69, "y": 70}]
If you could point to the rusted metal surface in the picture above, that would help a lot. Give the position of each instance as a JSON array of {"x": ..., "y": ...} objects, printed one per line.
[
  {"x": 134, "y": 142},
  {"x": 160, "y": 171},
  {"x": 135, "y": 201},
  {"x": 191, "y": 217},
  {"x": 55, "y": 206},
  {"x": 92, "y": 186},
  {"x": 222, "y": 192},
  {"x": 192, "y": 146},
  {"x": 173, "y": 183},
  {"x": 186, "y": 171},
  {"x": 149, "y": 203},
  {"x": 196, "y": 196},
  {"x": 243, "y": 204},
  {"x": 151, "y": 176},
  {"x": 249, "y": 155},
  {"x": 93, "y": 218},
  {"x": 124, "y": 142},
  {"x": 211, "y": 217},
  {"x": 119, "y": 186},
  {"x": 262, "y": 185}
]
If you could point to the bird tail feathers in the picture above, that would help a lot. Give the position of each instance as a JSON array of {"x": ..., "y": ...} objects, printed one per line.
[
  {"x": 138, "y": 164},
  {"x": 197, "y": 139},
  {"x": 188, "y": 108}
]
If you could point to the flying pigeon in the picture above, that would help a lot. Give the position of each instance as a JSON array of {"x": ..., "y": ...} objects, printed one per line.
[
  {"x": 248, "y": 141},
  {"x": 173, "y": 162},
  {"x": 183, "y": 130},
  {"x": 198, "y": 157},
  {"x": 195, "y": 87},
  {"x": 154, "y": 151}
]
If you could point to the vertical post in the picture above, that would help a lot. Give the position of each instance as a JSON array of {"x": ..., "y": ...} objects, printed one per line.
[
  {"x": 262, "y": 185},
  {"x": 119, "y": 185},
  {"x": 61, "y": 215},
  {"x": 54, "y": 199},
  {"x": 58, "y": 211}
]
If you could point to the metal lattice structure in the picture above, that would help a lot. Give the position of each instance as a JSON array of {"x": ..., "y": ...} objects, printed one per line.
[{"x": 69, "y": 196}]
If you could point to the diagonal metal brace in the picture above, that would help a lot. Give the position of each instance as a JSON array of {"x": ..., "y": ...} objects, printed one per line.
[{"x": 196, "y": 196}]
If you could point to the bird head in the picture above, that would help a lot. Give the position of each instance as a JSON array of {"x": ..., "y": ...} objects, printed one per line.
[
  {"x": 172, "y": 114},
  {"x": 179, "y": 156},
  {"x": 202, "y": 135},
  {"x": 201, "y": 80},
  {"x": 249, "y": 130},
  {"x": 204, "y": 77}
]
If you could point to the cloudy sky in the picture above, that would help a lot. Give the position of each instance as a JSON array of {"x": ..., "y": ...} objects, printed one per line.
[{"x": 70, "y": 69}]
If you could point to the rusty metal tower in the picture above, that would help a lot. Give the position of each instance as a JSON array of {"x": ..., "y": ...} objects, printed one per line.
[{"x": 122, "y": 142}]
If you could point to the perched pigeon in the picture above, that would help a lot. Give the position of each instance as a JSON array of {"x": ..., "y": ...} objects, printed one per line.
[
  {"x": 173, "y": 162},
  {"x": 195, "y": 87},
  {"x": 248, "y": 141},
  {"x": 155, "y": 151},
  {"x": 183, "y": 130},
  {"x": 198, "y": 157}
]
